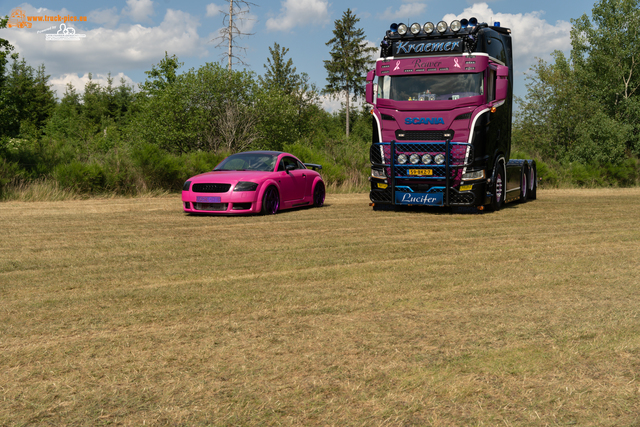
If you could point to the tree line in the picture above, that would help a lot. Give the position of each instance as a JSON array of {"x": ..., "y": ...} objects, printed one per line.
[
  {"x": 579, "y": 119},
  {"x": 114, "y": 138},
  {"x": 581, "y": 114}
]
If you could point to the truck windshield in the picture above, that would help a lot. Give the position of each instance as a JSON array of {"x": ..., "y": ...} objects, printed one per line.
[{"x": 432, "y": 87}]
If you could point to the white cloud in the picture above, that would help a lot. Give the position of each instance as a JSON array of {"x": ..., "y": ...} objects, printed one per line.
[
  {"x": 139, "y": 10},
  {"x": 127, "y": 47},
  {"x": 214, "y": 10},
  {"x": 298, "y": 13},
  {"x": 532, "y": 35},
  {"x": 59, "y": 84},
  {"x": 107, "y": 17},
  {"x": 405, "y": 13}
]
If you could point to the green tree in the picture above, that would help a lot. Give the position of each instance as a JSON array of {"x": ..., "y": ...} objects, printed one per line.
[
  {"x": 586, "y": 108},
  {"x": 350, "y": 60},
  {"x": 281, "y": 75},
  {"x": 606, "y": 54},
  {"x": 27, "y": 98}
]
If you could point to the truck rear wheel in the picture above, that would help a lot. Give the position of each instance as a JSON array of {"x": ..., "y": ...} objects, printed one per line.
[
  {"x": 533, "y": 181},
  {"x": 499, "y": 187},
  {"x": 524, "y": 184}
]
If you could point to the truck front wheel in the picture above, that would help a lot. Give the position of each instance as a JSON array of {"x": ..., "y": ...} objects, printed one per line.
[{"x": 499, "y": 187}]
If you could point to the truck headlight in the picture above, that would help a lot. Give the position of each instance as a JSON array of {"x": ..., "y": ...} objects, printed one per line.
[
  {"x": 378, "y": 173},
  {"x": 402, "y": 159},
  {"x": 473, "y": 175},
  {"x": 426, "y": 159},
  {"x": 414, "y": 159},
  {"x": 439, "y": 159}
]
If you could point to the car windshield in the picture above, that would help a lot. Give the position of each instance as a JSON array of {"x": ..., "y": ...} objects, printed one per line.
[
  {"x": 430, "y": 87},
  {"x": 264, "y": 162}
]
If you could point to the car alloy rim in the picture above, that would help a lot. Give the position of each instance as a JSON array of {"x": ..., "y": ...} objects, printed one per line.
[{"x": 272, "y": 201}]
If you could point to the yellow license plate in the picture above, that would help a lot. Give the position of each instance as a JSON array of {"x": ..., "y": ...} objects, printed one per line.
[
  {"x": 421, "y": 172},
  {"x": 466, "y": 187},
  {"x": 383, "y": 186}
]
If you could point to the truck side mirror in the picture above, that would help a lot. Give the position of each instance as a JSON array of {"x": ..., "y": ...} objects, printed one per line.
[
  {"x": 502, "y": 82},
  {"x": 369, "y": 90}
]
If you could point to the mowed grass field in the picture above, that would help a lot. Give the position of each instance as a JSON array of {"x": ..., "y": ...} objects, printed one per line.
[{"x": 129, "y": 312}]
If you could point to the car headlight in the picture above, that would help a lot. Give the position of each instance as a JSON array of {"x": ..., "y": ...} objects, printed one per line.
[
  {"x": 246, "y": 186},
  {"x": 439, "y": 159},
  {"x": 414, "y": 159},
  {"x": 402, "y": 159},
  {"x": 426, "y": 159},
  {"x": 186, "y": 186}
]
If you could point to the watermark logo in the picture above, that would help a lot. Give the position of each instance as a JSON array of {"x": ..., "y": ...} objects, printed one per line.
[
  {"x": 65, "y": 34},
  {"x": 18, "y": 19}
]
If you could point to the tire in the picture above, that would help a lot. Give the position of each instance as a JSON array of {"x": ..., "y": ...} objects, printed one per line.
[
  {"x": 533, "y": 181},
  {"x": 499, "y": 186},
  {"x": 524, "y": 184},
  {"x": 270, "y": 201},
  {"x": 318, "y": 194}
]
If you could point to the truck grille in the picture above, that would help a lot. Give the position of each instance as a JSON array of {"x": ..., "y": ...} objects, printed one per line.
[{"x": 421, "y": 135}]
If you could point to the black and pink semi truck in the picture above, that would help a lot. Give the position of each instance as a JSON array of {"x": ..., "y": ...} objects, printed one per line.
[{"x": 442, "y": 100}]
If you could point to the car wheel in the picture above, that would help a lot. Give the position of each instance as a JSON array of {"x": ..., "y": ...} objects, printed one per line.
[
  {"x": 499, "y": 187},
  {"x": 318, "y": 194},
  {"x": 270, "y": 201}
]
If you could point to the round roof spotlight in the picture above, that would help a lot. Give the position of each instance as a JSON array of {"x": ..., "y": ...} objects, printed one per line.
[
  {"x": 402, "y": 29},
  {"x": 439, "y": 159},
  {"x": 426, "y": 159},
  {"x": 464, "y": 23},
  {"x": 473, "y": 22},
  {"x": 394, "y": 28},
  {"x": 442, "y": 27},
  {"x": 414, "y": 159},
  {"x": 428, "y": 27},
  {"x": 455, "y": 26},
  {"x": 415, "y": 29},
  {"x": 402, "y": 159}
]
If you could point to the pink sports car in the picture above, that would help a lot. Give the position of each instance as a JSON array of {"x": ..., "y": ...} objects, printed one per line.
[{"x": 254, "y": 182}]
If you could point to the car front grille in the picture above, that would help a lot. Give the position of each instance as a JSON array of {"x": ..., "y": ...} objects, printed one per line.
[
  {"x": 210, "y": 188},
  {"x": 211, "y": 207}
]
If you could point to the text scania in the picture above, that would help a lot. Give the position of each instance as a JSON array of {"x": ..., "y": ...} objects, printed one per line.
[
  {"x": 407, "y": 47},
  {"x": 424, "y": 121}
]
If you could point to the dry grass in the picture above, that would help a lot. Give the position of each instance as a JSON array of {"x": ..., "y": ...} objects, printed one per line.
[{"x": 128, "y": 312}]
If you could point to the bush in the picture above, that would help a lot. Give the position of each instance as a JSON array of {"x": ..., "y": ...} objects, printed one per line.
[{"x": 81, "y": 177}]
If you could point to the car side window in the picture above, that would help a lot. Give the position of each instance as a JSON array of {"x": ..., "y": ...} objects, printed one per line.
[{"x": 288, "y": 162}]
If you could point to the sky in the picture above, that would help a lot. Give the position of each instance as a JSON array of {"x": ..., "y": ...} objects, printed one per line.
[{"x": 125, "y": 38}]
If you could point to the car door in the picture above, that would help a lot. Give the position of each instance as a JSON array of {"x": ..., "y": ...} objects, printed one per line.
[{"x": 292, "y": 180}]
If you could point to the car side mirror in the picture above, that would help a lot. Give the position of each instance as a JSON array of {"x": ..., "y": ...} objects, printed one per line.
[{"x": 288, "y": 168}]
